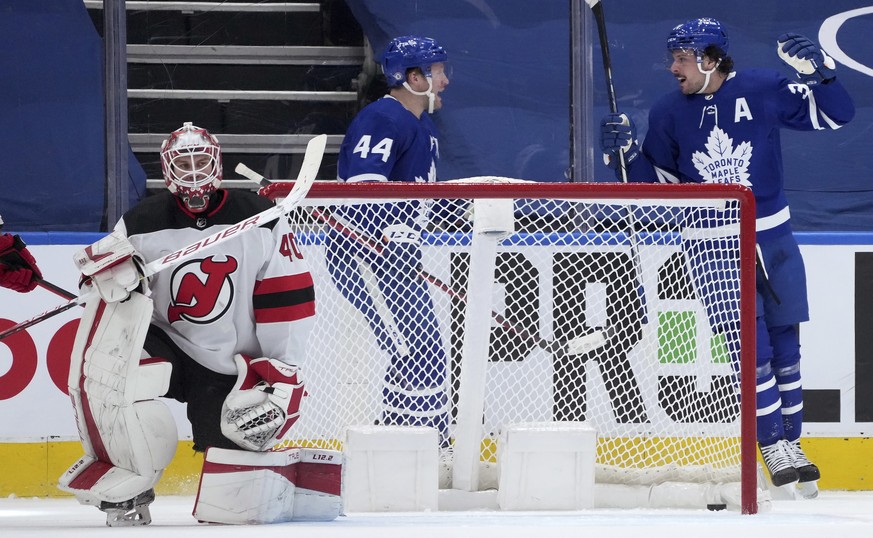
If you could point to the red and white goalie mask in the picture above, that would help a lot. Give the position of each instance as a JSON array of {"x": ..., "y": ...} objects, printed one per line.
[{"x": 191, "y": 163}]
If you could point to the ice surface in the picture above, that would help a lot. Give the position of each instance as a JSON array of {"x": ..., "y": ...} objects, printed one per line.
[{"x": 839, "y": 514}]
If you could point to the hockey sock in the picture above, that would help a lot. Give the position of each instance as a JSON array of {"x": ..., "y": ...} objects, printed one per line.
[
  {"x": 791, "y": 393},
  {"x": 786, "y": 367},
  {"x": 769, "y": 405}
]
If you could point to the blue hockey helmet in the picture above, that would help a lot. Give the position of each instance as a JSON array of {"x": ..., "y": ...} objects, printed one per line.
[
  {"x": 406, "y": 52},
  {"x": 698, "y": 34}
]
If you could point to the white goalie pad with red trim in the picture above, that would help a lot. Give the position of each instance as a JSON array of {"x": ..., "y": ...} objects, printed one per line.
[
  {"x": 292, "y": 484},
  {"x": 128, "y": 436}
]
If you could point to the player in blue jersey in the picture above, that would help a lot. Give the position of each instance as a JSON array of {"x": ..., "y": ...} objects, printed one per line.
[
  {"x": 373, "y": 254},
  {"x": 722, "y": 126}
]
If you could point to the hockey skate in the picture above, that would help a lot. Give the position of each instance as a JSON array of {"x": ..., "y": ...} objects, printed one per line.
[
  {"x": 807, "y": 472},
  {"x": 131, "y": 513},
  {"x": 779, "y": 462}
]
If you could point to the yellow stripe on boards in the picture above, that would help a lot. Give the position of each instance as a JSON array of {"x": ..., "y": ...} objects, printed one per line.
[{"x": 32, "y": 469}]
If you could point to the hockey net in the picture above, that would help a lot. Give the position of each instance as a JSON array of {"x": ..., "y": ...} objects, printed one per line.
[{"x": 618, "y": 305}]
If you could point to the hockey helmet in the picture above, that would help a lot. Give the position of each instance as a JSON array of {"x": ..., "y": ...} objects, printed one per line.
[
  {"x": 698, "y": 34},
  {"x": 191, "y": 163},
  {"x": 406, "y": 52}
]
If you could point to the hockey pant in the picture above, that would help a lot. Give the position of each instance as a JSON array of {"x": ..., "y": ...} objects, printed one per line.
[
  {"x": 128, "y": 437},
  {"x": 398, "y": 307},
  {"x": 202, "y": 390}
]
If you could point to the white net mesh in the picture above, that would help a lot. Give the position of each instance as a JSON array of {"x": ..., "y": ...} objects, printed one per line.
[{"x": 621, "y": 313}]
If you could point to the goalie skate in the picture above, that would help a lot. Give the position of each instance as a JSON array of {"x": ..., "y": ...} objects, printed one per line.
[{"x": 131, "y": 513}]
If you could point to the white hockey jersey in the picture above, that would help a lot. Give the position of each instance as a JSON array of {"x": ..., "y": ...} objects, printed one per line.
[{"x": 252, "y": 295}]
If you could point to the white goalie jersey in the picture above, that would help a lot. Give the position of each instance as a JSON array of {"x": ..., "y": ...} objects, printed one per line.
[{"x": 253, "y": 295}]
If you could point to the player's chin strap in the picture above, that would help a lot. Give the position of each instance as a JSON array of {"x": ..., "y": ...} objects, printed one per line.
[
  {"x": 707, "y": 73},
  {"x": 431, "y": 97}
]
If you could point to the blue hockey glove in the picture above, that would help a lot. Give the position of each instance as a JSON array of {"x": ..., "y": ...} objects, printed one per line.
[
  {"x": 618, "y": 133},
  {"x": 813, "y": 66}
]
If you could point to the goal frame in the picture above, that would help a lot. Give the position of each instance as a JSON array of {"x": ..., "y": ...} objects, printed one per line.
[{"x": 335, "y": 192}]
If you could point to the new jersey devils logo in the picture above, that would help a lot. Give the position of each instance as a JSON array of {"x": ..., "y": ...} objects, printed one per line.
[{"x": 201, "y": 290}]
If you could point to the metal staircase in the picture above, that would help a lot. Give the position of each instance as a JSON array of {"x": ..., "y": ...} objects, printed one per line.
[{"x": 263, "y": 76}]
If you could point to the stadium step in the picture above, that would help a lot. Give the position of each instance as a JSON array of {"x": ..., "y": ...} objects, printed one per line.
[{"x": 261, "y": 76}]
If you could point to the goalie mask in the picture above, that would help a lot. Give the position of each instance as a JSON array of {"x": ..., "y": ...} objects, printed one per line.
[
  {"x": 191, "y": 163},
  {"x": 409, "y": 52}
]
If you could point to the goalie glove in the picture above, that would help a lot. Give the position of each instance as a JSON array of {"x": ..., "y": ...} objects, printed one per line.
[
  {"x": 813, "y": 66},
  {"x": 264, "y": 403},
  {"x": 618, "y": 134},
  {"x": 18, "y": 270}
]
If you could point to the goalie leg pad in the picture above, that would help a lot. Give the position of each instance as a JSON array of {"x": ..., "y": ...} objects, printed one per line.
[
  {"x": 242, "y": 487},
  {"x": 128, "y": 437},
  {"x": 319, "y": 485}
]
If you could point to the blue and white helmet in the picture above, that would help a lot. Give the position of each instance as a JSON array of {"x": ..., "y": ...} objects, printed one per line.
[
  {"x": 698, "y": 34},
  {"x": 406, "y": 52}
]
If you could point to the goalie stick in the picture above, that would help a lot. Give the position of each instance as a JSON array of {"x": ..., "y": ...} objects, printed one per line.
[
  {"x": 305, "y": 179},
  {"x": 576, "y": 346}
]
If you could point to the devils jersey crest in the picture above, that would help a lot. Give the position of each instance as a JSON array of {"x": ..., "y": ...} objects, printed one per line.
[{"x": 201, "y": 291}]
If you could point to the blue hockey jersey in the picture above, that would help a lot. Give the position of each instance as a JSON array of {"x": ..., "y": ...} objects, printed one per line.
[
  {"x": 386, "y": 142},
  {"x": 732, "y": 136}
]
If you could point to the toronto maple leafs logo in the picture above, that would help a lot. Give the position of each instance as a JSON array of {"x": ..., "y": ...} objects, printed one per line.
[{"x": 723, "y": 163}]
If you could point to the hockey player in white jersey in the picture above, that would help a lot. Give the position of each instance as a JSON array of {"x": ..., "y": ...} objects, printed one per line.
[
  {"x": 722, "y": 126},
  {"x": 393, "y": 139},
  {"x": 224, "y": 332}
]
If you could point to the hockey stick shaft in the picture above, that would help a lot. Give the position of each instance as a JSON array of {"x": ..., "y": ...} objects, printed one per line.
[
  {"x": 37, "y": 319},
  {"x": 45, "y": 284},
  {"x": 305, "y": 179},
  {"x": 57, "y": 290},
  {"x": 599, "y": 19}
]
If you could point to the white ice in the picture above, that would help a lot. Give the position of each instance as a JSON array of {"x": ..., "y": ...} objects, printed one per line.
[{"x": 838, "y": 514}]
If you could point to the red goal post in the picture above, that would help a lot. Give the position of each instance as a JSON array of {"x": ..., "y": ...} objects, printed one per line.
[{"x": 628, "y": 306}]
